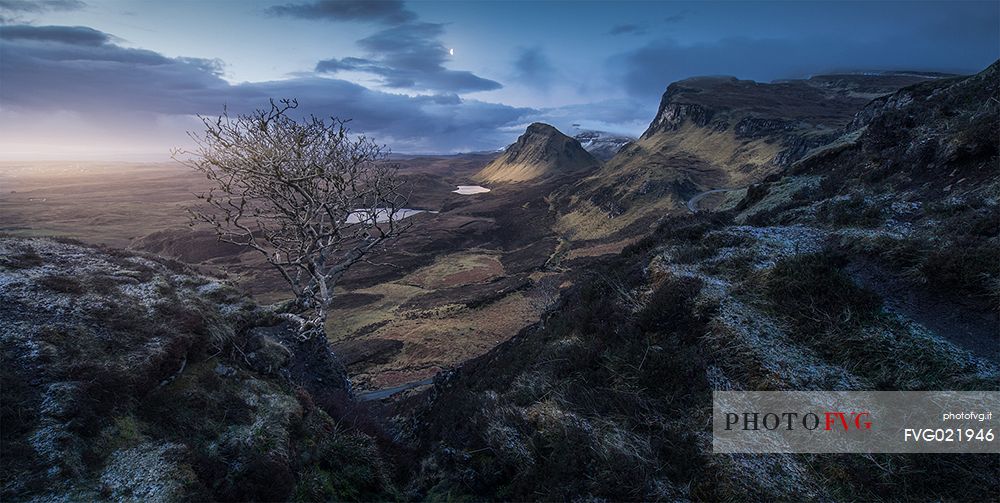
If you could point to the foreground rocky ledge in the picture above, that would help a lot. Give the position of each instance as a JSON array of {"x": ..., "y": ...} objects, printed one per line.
[{"x": 129, "y": 377}]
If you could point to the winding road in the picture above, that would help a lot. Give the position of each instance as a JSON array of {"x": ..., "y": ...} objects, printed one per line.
[{"x": 692, "y": 203}]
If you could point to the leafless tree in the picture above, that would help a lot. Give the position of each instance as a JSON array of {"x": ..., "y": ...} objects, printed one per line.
[{"x": 312, "y": 199}]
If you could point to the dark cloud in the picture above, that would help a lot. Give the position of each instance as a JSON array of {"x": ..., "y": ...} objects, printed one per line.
[
  {"x": 50, "y": 69},
  {"x": 78, "y": 35},
  {"x": 381, "y": 11},
  {"x": 335, "y": 65},
  {"x": 638, "y": 29},
  {"x": 409, "y": 56},
  {"x": 627, "y": 29},
  {"x": 533, "y": 68},
  {"x": 958, "y": 38},
  {"x": 645, "y": 72},
  {"x": 403, "y": 42}
]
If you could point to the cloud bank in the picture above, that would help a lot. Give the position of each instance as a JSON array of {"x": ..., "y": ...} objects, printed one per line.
[
  {"x": 408, "y": 54},
  {"x": 381, "y": 11},
  {"x": 13, "y": 11},
  {"x": 54, "y": 69}
]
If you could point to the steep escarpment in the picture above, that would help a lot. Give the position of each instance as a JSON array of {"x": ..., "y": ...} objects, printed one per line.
[
  {"x": 130, "y": 378},
  {"x": 755, "y": 109},
  {"x": 542, "y": 152},
  {"x": 872, "y": 264},
  {"x": 792, "y": 116},
  {"x": 713, "y": 132}
]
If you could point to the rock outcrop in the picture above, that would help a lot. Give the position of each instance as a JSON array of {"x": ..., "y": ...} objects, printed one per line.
[{"x": 791, "y": 113}]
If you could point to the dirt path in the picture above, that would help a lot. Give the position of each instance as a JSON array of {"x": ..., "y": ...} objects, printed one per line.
[{"x": 692, "y": 204}]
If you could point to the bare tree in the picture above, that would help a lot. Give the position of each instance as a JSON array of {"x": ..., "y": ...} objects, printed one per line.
[{"x": 310, "y": 198}]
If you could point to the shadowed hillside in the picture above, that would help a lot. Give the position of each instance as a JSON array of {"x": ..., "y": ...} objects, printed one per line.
[
  {"x": 290, "y": 251},
  {"x": 870, "y": 265}
]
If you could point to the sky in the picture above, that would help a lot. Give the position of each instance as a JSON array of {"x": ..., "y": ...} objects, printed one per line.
[{"x": 125, "y": 80}]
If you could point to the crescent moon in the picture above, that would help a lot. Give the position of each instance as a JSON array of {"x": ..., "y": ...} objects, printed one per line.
[{"x": 451, "y": 52}]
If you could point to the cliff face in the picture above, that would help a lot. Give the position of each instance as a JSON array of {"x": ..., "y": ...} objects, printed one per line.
[
  {"x": 717, "y": 132},
  {"x": 542, "y": 152},
  {"x": 129, "y": 377},
  {"x": 672, "y": 113},
  {"x": 792, "y": 113},
  {"x": 933, "y": 139}
]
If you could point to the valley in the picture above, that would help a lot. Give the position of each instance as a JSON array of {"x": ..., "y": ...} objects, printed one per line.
[{"x": 466, "y": 277}]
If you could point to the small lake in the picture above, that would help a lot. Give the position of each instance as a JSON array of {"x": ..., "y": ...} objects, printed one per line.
[
  {"x": 382, "y": 214},
  {"x": 467, "y": 190}
]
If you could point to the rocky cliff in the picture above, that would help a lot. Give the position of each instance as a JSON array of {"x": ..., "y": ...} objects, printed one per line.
[
  {"x": 717, "y": 132},
  {"x": 541, "y": 153}
]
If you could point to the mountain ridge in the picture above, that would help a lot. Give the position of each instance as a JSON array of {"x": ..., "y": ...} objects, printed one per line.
[{"x": 715, "y": 132}]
